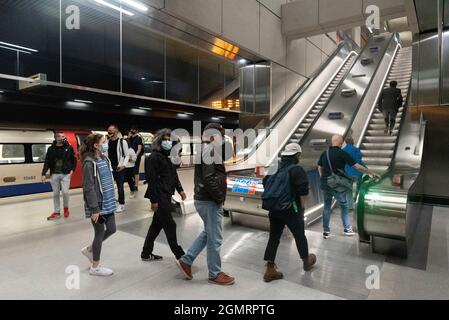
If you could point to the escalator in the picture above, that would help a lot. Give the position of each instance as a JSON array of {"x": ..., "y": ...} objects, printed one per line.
[
  {"x": 313, "y": 131},
  {"x": 377, "y": 146},
  {"x": 387, "y": 216}
]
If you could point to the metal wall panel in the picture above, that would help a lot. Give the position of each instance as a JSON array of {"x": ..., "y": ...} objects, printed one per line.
[
  {"x": 428, "y": 70},
  {"x": 415, "y": 72},
  {"x": 445, "y": 69},
  {"x": 247, "y": 80}
]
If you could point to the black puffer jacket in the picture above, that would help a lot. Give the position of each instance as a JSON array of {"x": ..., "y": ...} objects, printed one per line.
[
  {"x": 69, "y": 159},
  {"x": 161, "y": 177},
  {"x": 210, "y": 181}
]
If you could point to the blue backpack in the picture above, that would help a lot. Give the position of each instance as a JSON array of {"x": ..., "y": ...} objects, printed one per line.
[{"x": 277, "y": 195}]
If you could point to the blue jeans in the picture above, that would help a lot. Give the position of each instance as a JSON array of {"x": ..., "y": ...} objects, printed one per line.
[
  {"x": 350, "y": 193},
  {"x": 341, "y": 199},
  {"x": 60, "y": 182},
  {"x": 212, "y": 236}
]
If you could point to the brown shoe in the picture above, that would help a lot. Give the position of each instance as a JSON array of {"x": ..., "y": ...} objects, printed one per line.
[
  {"x": 309, "y": 262},
  {"x": 271, "y": 273},
  {"x": 222, "y": 279},
  {"x": 185, "y": 268}
]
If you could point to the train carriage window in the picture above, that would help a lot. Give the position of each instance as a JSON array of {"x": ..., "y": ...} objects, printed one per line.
[
  {"x": 12, "y": 153},
  {"x": 39, "y": 151}
]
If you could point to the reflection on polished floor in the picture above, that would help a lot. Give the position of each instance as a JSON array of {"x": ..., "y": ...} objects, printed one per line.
[{"x": 35, "y": 253}]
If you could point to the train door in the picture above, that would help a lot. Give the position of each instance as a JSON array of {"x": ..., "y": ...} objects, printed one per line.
[{"x": 75, "y": 139}]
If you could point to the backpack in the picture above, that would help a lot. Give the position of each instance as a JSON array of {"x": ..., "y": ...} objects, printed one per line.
[{"x": 277, "y": 194}]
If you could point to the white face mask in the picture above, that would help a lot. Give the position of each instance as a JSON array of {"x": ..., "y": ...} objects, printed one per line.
[
  {"x": 167, "y": 145},
  {"x": 104, "y": 147}
]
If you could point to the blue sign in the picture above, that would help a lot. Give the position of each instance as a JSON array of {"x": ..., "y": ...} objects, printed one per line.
[{"x": 244, "y": 186}]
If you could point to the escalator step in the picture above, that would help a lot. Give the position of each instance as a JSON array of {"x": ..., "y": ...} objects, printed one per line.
[
  {"x": 381, "y": 126},
  {"x": 378, "y": 169},
  {"x": 373, "y": 161},
  {"x": 378, "y": 146},
  {"x": 380, "y": 139},
  {"x": 372, "y": 153}
]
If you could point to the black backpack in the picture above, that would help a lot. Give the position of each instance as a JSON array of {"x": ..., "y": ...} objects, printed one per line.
[{"x": 277, "y": 194}]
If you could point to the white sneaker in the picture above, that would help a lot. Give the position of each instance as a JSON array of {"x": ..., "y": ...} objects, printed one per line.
[
  {"x": 349, "y": 232},
  {"x": 120, "y": 208},
  {"x": 87, "y": 254},
  {"x": 100, "y": 271},
  {"x": 132, "y": 195}
]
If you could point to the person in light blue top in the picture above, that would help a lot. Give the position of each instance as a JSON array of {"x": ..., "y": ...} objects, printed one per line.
[
  {"x": 352, "y": 172},
  {"x": 99, "y": 198}
]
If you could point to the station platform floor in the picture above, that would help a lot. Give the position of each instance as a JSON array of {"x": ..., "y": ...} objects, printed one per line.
[{"x": 35, "y": 253}]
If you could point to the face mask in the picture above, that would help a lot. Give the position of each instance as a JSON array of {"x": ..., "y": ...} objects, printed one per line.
[
  {"x": 104, "y": 147},
  {"x": 166, "y": 144}
]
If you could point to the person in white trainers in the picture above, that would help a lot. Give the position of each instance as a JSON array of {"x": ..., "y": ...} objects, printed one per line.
[{"x": 99, "y": 198}]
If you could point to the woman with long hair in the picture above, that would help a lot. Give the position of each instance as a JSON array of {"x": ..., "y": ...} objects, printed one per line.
[{"x": 99, "y": 198}]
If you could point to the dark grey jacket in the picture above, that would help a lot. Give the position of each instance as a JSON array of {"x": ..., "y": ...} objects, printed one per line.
[
  {"x": 92, "y": 193},
  {"x": 390, "y": 99}
]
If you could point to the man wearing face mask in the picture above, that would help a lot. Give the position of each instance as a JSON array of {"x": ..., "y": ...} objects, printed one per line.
[
  {"x": 163, "y": 180},
  {"x": 61, "y": 161}
]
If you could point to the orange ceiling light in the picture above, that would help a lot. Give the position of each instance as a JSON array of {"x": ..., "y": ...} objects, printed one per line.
[{"x": 225, "y": 49}]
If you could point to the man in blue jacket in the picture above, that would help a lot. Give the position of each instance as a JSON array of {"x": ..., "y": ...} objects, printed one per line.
[{"x": 352, "y": 172}]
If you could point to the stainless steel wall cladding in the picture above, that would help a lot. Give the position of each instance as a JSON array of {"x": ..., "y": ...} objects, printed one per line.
[
  {"x": 255, "y": 88},
  {"x": 445, "y": 69},
  {"x": 428, "y": 81}
]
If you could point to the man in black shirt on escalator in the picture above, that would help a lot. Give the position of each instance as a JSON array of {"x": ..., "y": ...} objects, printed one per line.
[{"x": 333, "y": 161}]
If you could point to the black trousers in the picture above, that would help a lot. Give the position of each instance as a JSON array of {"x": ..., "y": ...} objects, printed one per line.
[
  {"x": 295, "y": 222},
  {"x": 390, "y": 119},
  {"x": 163, "y": 219},
  {"x": 129, "y": 177},
  {"x": 119, "y": 178}
]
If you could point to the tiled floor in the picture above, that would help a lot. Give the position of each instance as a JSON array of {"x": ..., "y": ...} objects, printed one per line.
[{"x": 35, "y": 253}]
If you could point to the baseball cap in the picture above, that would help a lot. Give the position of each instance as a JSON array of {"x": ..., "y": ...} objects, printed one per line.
[{"x": 291, "y": 149}]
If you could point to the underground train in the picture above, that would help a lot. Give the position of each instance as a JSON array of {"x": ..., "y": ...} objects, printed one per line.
[{"x": 22, "y": 154}]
